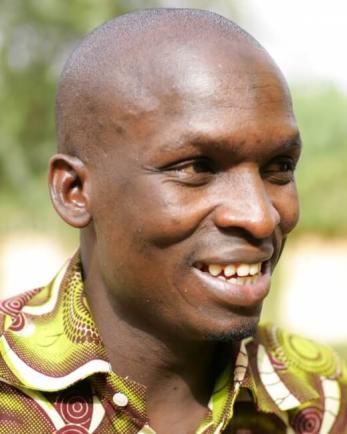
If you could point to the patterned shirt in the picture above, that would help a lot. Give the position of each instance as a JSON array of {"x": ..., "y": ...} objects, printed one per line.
[{"x": 55, "y": 376}]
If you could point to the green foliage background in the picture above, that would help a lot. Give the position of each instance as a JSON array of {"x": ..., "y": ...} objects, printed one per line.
[{"x": 321, "y": 111}]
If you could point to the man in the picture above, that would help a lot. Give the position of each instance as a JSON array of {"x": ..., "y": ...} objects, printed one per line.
[{"x": 177, "y": 149}]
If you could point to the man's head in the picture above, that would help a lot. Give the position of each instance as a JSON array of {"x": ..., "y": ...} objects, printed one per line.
[{"x": 177, "y": 148}]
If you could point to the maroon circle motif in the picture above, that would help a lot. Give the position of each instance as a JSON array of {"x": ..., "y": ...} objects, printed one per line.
[
  {"x": 74, "y": 408},
  {"x": 276, "y": 363},
  {"x": 15, "y": 304},
  {"x": 307, "y": 421},
  {"x": 18, "y": 323},
  {"x": 12, "y": 306},
  {"x": 72, "y": 429}
]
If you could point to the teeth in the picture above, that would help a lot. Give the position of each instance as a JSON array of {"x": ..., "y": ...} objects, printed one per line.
[
  {"x": 243, "y": 280},
  {"x": 214, "y": 269},
  {"x": 254, "y": 269},
  {"x": 246, "y": 272},
  {"x": 243, "y": 270},
  {"x": 249, "y": 280},
  {"x": 229, "y": 270}
]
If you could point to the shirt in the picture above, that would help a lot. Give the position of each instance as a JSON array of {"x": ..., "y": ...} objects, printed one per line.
[{"x": 55, "y": 376}]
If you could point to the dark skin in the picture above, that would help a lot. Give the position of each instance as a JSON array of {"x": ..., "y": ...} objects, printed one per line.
[{"x": 202, "y": 172}]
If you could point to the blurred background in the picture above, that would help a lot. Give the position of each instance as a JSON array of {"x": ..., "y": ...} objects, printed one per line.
[{"x": 307, "y": 40}]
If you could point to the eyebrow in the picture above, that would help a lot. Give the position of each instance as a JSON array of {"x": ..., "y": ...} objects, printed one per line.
[
  {"x": 199, "y": 142},
  {"x": 293, "y": 142}
]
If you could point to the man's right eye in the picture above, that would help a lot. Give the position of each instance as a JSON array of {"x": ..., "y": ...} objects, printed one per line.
[
  {"x": 194, "y": 172},
  {"x": 194, "y": 167}
]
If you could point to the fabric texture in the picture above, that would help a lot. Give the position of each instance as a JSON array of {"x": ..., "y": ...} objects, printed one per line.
[{"x": 55, "y": 376}]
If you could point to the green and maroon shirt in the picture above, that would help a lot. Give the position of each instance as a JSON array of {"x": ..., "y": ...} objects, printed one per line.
[{"x": 55, "y": 376}]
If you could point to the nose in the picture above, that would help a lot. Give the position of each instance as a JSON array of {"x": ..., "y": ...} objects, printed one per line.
[{"x": 246, "y": 204}]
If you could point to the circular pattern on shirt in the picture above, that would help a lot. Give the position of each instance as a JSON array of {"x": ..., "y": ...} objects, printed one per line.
[
  {"x": 72, "y": 429},
  {"x": 306, "y": 354},
  {"x": 74, "y": 408},
  {"x": 78, "y": 324},
  {"x": 18, "y": 323},
  {"x": 14, "y": 305},
  {"x": 307, "y": 421}
]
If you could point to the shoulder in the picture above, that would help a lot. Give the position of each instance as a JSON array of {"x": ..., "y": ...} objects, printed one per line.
[
  {"x": 300, "y": 354},
  {"x": 11, "y": 309},
  {"x": 306, "y": 379},
  {"x": 35, "y": 301},
  {"x": 17, "y": 408}
]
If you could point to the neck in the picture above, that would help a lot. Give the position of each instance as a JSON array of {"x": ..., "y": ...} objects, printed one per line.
[
  {"x": 144, "y": 357},
  {"x": 178, "y": 375},
  {"x": 157, "y": 361}
]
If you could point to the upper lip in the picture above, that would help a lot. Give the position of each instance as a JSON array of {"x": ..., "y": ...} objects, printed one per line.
[{"x": 237, "y": 256}]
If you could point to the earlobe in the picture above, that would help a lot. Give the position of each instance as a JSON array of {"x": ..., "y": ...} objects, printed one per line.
[{"x": 69, "y": 189}]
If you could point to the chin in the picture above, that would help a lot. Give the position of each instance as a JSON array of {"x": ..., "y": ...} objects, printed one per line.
[{"x": 242, "y": 330}]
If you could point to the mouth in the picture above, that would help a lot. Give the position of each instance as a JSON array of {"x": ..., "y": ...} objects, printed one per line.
[
  {"x": 237, "y": 283},
  {"x": 236, "y": 273}
]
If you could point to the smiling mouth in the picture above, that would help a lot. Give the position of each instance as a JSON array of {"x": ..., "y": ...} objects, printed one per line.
[
  {"x": 235, "y": 283},
  {"x": 236, "y": 273}
]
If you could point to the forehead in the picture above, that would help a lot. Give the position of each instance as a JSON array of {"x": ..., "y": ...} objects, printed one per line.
[
  {"x": 190, "y": 67},
  {"x": 238, "y": 106},
  {"x": 203, "y": 92}
]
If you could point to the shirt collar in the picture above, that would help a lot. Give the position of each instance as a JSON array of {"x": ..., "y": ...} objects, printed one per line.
[{"x": 50, "y": 340}]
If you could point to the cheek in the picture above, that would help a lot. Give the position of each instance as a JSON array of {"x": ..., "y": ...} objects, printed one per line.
[
  {"x": 145, "y": 213},
  {"x": 163, "y": 213},
  {"x": 173, "y": 217}
]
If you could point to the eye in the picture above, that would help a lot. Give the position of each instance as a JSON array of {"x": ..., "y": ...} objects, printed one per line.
[
  {"x": 196, "y": 171},
  {"x": 286, "y": 166},
  {"x": 280, "y": 170},
  {"x": 195, "y": 167}
]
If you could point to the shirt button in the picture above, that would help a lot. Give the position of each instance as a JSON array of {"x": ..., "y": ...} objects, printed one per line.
[{"x": 120, "y": 399}]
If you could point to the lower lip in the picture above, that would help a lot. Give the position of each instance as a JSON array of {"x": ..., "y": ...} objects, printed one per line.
[{"x": 232, "y": 294}]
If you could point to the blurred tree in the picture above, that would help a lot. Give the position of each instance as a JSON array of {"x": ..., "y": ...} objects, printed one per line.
[
  {"x": 321, "y": 111},
  {"x": 36, "y": 37}
]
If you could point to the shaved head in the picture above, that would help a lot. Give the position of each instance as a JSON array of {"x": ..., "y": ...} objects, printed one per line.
[{"x": 129, "y": 60}]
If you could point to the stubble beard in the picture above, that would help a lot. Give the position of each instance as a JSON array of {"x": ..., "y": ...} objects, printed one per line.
[{"x": 236, "y": 335}]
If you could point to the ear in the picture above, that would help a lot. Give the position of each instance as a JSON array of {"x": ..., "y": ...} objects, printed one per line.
[{"x": 69, "y": 185}]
